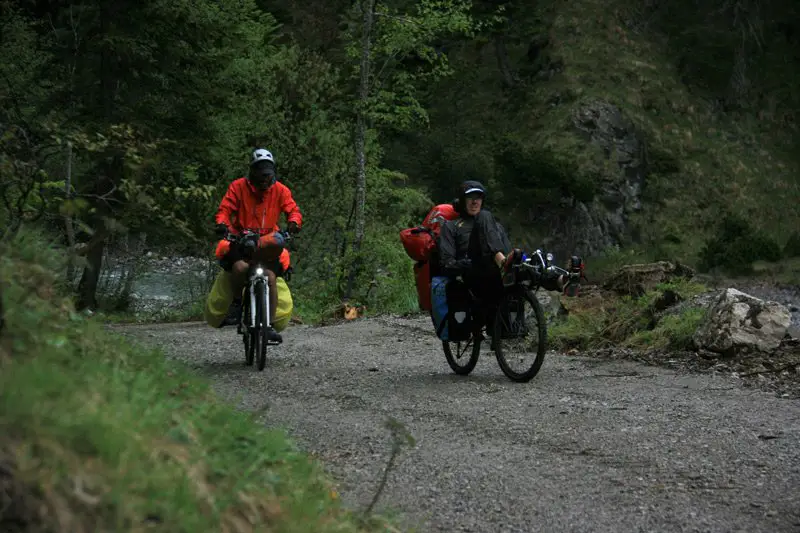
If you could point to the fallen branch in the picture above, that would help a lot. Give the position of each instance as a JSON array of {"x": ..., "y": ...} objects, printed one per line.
[{"x": 400, "y": 437}]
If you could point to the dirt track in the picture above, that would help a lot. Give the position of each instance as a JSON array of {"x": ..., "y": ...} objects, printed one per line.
[{"x": 588, "y": 446}]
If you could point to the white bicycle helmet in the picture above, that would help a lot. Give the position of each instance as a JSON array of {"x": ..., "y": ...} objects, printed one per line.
[{"x": 262, "y": 154}]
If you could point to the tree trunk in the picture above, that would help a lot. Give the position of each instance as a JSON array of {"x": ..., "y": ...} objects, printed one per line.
[
  {"x": 70, "y": 230},
  {"x": 109, "y": 173},
  {"x": 87, "y": 288},
  {"x": 368, "y": 7},
  {"x": 133, "y": 268}
]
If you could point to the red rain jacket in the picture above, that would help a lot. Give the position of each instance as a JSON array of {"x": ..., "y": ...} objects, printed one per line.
[{"x": 245, "y": 207}]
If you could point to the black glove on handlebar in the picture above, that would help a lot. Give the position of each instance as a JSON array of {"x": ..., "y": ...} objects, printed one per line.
[
  {"x": 221, "y": 230},
  {"x": 293, "y": 228}
]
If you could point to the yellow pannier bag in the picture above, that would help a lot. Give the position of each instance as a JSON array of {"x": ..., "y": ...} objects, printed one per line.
[
  {"x": 220, "y": 297},
  {"x": 283, "y": 311}
]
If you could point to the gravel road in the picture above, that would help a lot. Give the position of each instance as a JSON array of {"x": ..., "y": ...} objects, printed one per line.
[{"x": 588, "y": 446}]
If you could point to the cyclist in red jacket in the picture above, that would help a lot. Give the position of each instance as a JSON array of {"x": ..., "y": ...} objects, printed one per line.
[{"x": 255, "y": 202}]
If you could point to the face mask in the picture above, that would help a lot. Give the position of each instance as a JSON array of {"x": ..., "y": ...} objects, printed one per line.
[{"x": 262, "y": 179}]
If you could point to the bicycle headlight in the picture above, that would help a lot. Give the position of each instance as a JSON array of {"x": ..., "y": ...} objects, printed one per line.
[
  {"x": 549, "y": 257},
  {"x": 259, "y": 271}
]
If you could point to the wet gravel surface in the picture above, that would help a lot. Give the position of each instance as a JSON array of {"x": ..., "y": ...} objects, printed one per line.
[{"x": 590, "y": 445}]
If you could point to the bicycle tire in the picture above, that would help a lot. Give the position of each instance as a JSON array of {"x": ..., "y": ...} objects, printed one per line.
[
  {"x": 465, "y": 369},
  {"x": 541, "y": 348},
  {"x": 247, "y": 333},
  {"x": 249, "y": 349},
  {"x": 260, "y": 333}
]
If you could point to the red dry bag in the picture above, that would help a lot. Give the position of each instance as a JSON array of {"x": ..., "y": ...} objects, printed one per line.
[{"x": 420, "y": 242}]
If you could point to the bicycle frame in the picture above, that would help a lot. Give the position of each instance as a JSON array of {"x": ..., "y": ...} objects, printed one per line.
[{"x": 258, "y": 274}]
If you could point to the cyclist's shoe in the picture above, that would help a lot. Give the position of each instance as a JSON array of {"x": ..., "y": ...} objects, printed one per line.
[
  {"x": 273, "y": 337},
  {"x": 234, "y": 314}
]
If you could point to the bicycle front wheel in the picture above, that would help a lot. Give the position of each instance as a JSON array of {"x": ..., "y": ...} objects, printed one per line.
[
  {"x": 247, "y": 332},
  {"x": 249, "y": 348},
  {"x": 520, "y": 336},
  {"x": 260, "y": 332}
]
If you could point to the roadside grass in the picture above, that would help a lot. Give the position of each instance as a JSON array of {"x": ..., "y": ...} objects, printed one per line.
[
  {"x": 98, "y": 433},
  {"x": 606, "y": 320}
]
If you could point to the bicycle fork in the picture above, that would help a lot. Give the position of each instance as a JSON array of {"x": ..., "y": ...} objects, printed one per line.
[{"x": 254, "y": 305}]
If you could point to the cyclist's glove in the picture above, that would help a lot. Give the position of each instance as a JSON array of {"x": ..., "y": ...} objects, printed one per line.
[
  {"x": 221, "y": 230},
  {"x": 293, "y": 228}
]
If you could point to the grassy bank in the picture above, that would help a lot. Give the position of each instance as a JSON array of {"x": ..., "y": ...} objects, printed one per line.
[
  {"x": 603, "y": 320},
  {"x": 97, "y": 433}
]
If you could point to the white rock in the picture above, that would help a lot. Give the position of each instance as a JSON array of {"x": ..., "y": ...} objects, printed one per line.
[{"x": 738, "y": 322}]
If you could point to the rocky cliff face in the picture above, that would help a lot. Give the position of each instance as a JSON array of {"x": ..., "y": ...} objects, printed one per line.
[{"x": 590, "y": 227}]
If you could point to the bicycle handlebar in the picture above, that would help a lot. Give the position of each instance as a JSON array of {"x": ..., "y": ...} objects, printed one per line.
[
  {"x": 255, "y": 234},
  {"x": 249, "y": 238}
]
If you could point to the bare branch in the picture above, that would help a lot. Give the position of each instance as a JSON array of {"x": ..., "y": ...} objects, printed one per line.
[
  {"x": 385, "y": 64},
  {"x": 399, "y": 17},
  {"x": 105, "y": 197}
]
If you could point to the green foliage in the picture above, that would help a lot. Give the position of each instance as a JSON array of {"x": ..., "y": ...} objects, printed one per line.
[
  {"x": 792, "y": 247},
  {"x": 392, "y": 276},
  {"x": 784, "y": 272},
  {"x": 633, "y": 322},
  {"x": 737, "y": 50},
  {"x": 163, "y": 100},
  {"x": 736, "y": 245},
  {"x": 20, "y": 85},
  {"x": 578, "y": 331},
  {"x": 385, "y": 280},
  {"x": 673, "y": 332},
  {"x": 612, "y": 259},
  {"x": 537, "y": 166},
  {"x": 700, "y": 157},
  {"x": 404, "y": 56},
  {"x": 79, "y": 405}
]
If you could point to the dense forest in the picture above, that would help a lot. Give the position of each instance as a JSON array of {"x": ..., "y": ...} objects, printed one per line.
[{"x": 669, "y": 128}]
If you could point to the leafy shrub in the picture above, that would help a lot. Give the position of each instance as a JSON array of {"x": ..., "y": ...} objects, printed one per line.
[
  {"x": 736, "y": 245},
  {"x": 792, "y": 247}
]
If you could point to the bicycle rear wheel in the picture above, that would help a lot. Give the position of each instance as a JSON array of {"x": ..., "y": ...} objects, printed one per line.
[
  {"x": 457, "y": 356},
  {"x": 520, "y": 332},
  {"x": 260, "y": 331}
]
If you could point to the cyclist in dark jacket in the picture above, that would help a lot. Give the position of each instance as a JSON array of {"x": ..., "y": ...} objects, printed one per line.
[{"x": 474, "y": 245}]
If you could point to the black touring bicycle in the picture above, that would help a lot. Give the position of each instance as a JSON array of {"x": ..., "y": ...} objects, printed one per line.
[
  {"x": 516, "y": 325},
  {"x": 255, "y": 317}
]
